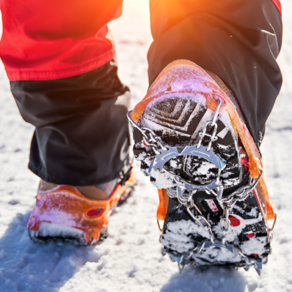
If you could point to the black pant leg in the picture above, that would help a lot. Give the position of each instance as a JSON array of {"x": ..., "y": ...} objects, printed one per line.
[
  {"x": 81, "y": 135},
  {"x": 239, "y": 40}
]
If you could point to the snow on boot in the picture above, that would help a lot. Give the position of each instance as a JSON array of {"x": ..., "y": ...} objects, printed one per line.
[
  {"x": 195, "y": 147},
  {"x": 62, "y": 213}
]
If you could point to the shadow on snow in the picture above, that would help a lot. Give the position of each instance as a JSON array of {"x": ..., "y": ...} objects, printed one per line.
[
  {"x": 206, "y": 280},
  {"x": 27, "y": 266}
]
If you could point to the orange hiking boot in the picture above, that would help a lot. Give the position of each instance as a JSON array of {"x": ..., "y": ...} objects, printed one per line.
[
  {"x": 194, "y": 145},
  {"x": 63, "y": 213}
]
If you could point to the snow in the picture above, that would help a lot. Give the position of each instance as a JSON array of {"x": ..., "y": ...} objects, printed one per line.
[
  {"x": 255, "y": 244},
  {"x": 223, "y": 255},
  {"x": 130, "y": 259},
  {"x": 59, "y": 230},
  {"x": 204, "y": 168},
  {"x": 177, "y": 234},
  {"x": 232, "y": 234}
]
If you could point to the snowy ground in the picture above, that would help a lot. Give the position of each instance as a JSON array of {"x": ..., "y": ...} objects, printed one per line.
[{"x": 130, "y": 259}]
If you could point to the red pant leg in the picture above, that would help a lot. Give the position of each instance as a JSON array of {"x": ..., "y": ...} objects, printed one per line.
[{"x": 55, "y": 39}]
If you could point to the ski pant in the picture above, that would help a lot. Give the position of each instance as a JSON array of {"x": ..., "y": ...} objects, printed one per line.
[{"x": 64, "y": 78}]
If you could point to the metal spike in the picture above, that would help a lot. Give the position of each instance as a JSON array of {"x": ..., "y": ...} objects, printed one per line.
[
  {"x": 220, "y": 192},
  {"x": 202, "y": 246},
  {"x": 172, "y": 257},
  {"x": 232, "y": 249},
  {"x": 247, "y": 268},
  {"x": 234, "y": 252},
  {"x": 163, "y": 251},
  {"x": 258, "y": 267},
  {"x": 180, "y": 191},
  {"x": 179, "y": 262},
  {"x": 181, "y": 268},
  {"x": 151, "y": 166}
]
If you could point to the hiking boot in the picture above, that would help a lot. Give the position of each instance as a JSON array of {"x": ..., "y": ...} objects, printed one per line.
[
  {"x": 196, "y": 149},
  {"x": 76, "y": 214}
]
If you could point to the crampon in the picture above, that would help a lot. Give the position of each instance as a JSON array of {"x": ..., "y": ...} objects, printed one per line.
[{"x": 194, "y": 145}]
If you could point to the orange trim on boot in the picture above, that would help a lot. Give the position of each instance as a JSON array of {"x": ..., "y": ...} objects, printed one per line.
[
  {"x": 65, "y": 206},
  {"x": 264, "y": 196},
  {"x": 162, "y": 206}
]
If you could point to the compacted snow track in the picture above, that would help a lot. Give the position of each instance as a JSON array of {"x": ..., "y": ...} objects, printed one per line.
[{"x": 130, "y": 259}]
